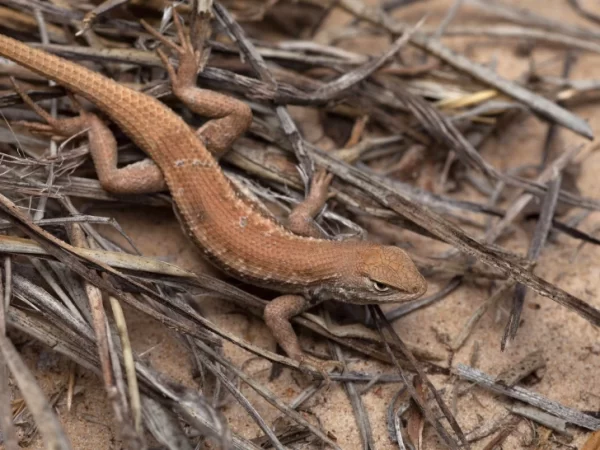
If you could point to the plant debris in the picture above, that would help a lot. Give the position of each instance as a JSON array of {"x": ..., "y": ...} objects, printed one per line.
[{"x": 403, "y": 125}]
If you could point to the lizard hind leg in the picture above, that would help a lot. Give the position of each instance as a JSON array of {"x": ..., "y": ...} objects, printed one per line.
[
  {"x": 230, "y": 117},
  {"x": 137, "y": 178}
]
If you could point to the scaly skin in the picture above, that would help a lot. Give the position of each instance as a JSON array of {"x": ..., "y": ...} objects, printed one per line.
[{"x": 233, "y": 235}]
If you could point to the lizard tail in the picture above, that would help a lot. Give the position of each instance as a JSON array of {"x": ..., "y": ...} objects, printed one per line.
[{"x": 125, "y": 106}]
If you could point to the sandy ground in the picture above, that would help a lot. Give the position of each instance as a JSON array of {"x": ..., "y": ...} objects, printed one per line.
[{"x": 569, "y": 343}]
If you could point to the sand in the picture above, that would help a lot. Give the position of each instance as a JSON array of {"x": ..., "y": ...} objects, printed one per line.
[{"x": 569, "y": 343}]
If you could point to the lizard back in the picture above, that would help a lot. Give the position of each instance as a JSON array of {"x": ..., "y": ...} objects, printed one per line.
[{"x": 228, "y": 229}]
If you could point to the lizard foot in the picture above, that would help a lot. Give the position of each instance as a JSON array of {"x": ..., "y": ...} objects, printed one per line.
[
  {"x": 324, "y": 367},
  {"x": 63, "y": 127},
  {"x": 319, "y": 187},
  {"x": 190, "y": 59}
]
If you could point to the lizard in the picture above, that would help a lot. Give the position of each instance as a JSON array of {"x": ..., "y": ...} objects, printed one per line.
[{"x": 292, "y": 258}]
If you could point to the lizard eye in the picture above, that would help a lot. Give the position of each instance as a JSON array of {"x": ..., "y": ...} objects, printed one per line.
[{"x": 380, "y": 287}]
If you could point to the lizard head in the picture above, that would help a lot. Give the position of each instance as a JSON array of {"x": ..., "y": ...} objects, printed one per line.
[
  {"x": 390, "y": 275},
  {"x": 379, "y": 274}
]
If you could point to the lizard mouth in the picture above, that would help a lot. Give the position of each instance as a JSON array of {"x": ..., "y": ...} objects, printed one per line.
[
  {"x": 392, "y": 297},
  {"x": 401, "y": 296}
]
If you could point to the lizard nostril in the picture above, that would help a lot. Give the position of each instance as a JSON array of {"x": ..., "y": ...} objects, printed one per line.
[{"x": 419, "y": 288}]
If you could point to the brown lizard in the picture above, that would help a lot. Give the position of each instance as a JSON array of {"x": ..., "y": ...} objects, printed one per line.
[{"x": 235, "y": 236}]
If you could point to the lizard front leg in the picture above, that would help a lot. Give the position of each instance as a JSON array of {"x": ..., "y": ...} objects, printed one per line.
[
  {"x": 142, "y": 177},
  {"x": 230, "y": 117},
  {"x": 277, "y": 316},
  {"x": 281, "y": 309},
  {"x": 301, "y": 219}
]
